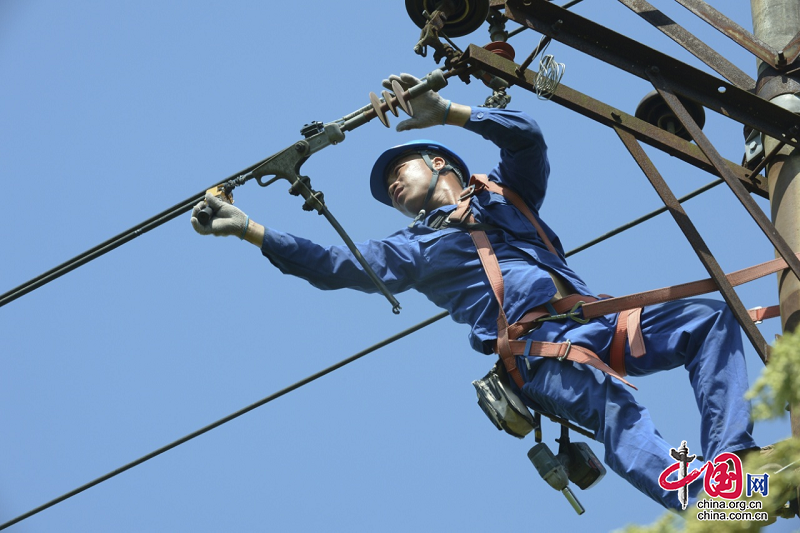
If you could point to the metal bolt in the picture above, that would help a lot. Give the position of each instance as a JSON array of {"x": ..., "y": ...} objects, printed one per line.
[{"x": 299, "y": 147}]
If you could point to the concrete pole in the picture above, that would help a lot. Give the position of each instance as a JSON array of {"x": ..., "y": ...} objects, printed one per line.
[{"x": 776, "y": 22}]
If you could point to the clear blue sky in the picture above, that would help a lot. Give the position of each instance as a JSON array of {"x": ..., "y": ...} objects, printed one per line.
[{"x": 113, "y": 111}]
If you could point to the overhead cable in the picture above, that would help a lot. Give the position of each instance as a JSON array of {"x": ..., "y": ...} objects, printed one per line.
[
  {"x": 319, "y": 374},
  {"x": 224, "y": 420}
]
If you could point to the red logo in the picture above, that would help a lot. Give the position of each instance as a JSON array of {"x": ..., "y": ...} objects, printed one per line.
[{"x": 722, "y": 477}]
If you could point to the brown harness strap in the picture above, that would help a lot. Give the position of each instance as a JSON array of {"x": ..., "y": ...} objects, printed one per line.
[
  {"x": 629, "y": 308},
  {"x": 492, "y": 268},
  {"x": 762, "y": 313},
  {"x": 506, "y": 348},
  {"x": 616, "y": 355},
  {"x": 677, "y": 292},
  {"x": 562, "y": 351},
  {"x": 482, "y": 181}
]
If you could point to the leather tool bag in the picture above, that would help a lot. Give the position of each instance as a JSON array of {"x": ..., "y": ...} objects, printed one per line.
[{"x": 503, "y": 407}]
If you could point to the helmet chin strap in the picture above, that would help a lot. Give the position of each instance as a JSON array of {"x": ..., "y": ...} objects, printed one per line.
[{"x": 426, "y": 156}]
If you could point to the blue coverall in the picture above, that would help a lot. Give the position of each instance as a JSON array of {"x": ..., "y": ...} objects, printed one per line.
[{"x": 443, "y": 264}]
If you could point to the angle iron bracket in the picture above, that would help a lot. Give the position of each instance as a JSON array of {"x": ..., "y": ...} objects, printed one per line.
[
  {"x": 631, "y": 56},
  {"x": 477, "y": 57}
]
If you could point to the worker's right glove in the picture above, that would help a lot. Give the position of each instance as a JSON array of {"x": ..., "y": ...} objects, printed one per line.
[
  {"x": 430, "y": 109},
  {"x": 227, "y": 220}
]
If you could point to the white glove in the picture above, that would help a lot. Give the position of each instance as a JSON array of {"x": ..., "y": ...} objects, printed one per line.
[
  {"x": 227, "y": 220},
  {"x": 429, "y": 108}
]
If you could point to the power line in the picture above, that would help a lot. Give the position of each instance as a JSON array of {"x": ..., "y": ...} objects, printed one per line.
[
  {"x": 224, "y": 420},
  {"x": 114, "y": 242},
  {"x": 319, "y": 374},
  {"x": 645, "y": 218}
]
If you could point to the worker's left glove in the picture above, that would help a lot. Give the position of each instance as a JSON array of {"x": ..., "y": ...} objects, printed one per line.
[
  {"x": 227, "y": 220},
  {"x": 429, "y": 108}
]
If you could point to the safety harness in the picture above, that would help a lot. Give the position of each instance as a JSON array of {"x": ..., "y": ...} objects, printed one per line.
[{"x": 578, "y": 307}]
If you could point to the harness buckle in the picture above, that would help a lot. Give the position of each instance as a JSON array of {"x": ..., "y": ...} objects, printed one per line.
[
  {"x": 573, "y": 314},
  {"x": 468, "y": 192},
  {"x": 566, "y": 352}
]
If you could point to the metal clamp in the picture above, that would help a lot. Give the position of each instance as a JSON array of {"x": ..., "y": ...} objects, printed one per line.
[
  {"x": 566, "y": 352},
  {"x": 466, "y": 193},
  {"x": 573, "y": 314},
  {"x": 757, "y": 322}
]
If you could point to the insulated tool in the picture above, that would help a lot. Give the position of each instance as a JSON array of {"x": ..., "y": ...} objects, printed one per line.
[
  {"x": 316, "y": 136},
  {"x": 315, "y": 140}
]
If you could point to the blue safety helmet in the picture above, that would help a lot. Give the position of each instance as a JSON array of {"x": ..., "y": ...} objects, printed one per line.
[{"x": 377, "y": 179}]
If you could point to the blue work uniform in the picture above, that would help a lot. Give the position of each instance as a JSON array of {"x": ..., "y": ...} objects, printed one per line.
[{"x": 443, "y": 264}]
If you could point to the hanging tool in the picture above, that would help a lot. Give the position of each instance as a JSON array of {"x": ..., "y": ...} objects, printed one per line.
[
  {"x": 554, "y": 472},
  {"x": 575, "y": 462},
  {"x": 583, "y": 467}
]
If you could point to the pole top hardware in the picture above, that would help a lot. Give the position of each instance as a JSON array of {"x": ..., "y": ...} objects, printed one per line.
[{"x": 461, "y": 16}]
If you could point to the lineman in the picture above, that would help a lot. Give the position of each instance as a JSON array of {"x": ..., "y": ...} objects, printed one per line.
[{"x": 564, "y": 369}]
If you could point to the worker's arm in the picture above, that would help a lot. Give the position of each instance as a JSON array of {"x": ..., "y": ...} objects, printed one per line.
[
  {"x": 523, "y": 153},
  {"x": 395, "y": 259}
]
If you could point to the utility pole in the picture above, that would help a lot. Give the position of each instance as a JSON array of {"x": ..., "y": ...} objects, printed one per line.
[{"x": 776, "y": 22}]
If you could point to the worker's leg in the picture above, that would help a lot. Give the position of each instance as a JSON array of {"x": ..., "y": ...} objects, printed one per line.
[
  {"x": 698, "y": 334},
  {"x": 633, "y": 447},
  {"x": 704, "y": 337}
]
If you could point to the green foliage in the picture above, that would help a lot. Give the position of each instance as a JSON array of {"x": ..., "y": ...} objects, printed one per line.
[{"x": 777, "y": 387}]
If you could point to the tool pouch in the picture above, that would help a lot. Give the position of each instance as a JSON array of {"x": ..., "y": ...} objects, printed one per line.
[{"x": 503, "y": 407}]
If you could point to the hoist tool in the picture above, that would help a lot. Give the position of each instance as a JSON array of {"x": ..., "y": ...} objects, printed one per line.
[
  {"x": 284, "y": 164},
  {"x": 316, "y": 136}
]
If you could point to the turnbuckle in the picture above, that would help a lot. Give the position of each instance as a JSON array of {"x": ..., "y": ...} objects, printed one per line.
[{"x": 573, "y": 314}]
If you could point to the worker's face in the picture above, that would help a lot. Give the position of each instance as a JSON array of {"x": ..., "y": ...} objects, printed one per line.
[{"x": 408, "y": 180}]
